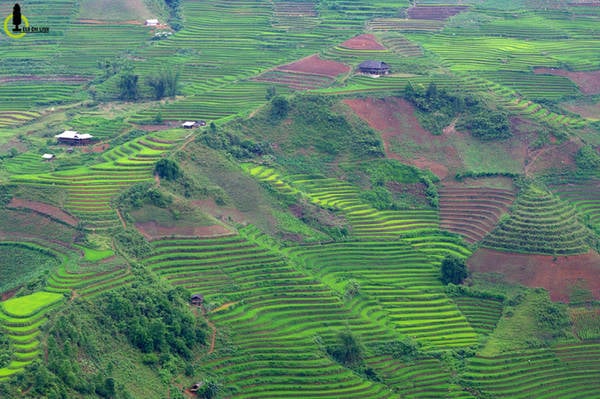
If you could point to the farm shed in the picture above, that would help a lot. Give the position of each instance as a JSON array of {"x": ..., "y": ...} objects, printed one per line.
[
  {"x": 374, "y": 67},
  {"x": 74, "y": 138},
  {"x": 197, "y": 299},
  {"x": 189, "y": 124},
  {"x": 48, "y": 157},
  {"x": 151, "y": 22}
]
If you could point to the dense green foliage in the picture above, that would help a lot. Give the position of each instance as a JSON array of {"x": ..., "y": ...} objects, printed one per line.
[
  {"x": 128, "y": 86},
  {"x": 20, "y": 263},
  {"x": 148, "y": 321},
  {"x": 453, "y": 270},
  {"x": 164, "y": 83},
  {"x": 347, "y": 349},
  {"x": 486, "y": 125},
  {"x": 167, "y": 169},
  {"x": 587, "y": 158},
  {"x": 139, "y": 194},
  {"x": 132, "y": 243}
]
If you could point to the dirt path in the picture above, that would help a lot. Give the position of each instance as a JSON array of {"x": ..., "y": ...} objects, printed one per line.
[
  {"x": 121, "y": 218},
  {"x": 213, "y": 338}
]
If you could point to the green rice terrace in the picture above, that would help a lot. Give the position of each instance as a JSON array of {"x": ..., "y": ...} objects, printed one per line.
[{"x": 250, "y": 199}]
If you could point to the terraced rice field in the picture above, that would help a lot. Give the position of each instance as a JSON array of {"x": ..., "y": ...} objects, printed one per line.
[
  {"x": 279, "y": 307},
  {"x": 90, "y": 189},
  {"x": 474, "y": 211},
  {"x": 540, "y": 223},
  {"x": 399, "y": 283},
  {"x": 568, "y": 371},
  {"x": 482, "y": 314},
  {"x": 367, "y": 222},
  {"x": 585, "y": 196},
  {"x": 21, "y": 319}
]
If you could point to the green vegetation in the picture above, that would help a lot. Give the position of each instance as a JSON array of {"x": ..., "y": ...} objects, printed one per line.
[
  {"x": 318, "y": 259},
  {"x": 453, "y": 270},
  {"x": 540, "y": 223},
  {"x": 21, "y": 262}
]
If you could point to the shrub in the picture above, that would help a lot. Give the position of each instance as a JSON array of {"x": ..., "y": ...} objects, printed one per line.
[
  {"x": 279, "y": 108},
  {"x": 587, "y": 158},
  {"x": 453, "y": 270},
  {"x": 347, "y": 350},
  {"x": 167, "y": 169}
]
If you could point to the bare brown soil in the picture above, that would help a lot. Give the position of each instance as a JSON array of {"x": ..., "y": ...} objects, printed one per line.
[
  {"x": 98, "y": 148},
  {"x": 9, "y": 294},
  {"x": 439, "y": 13},
  {"x": 219, "y": 212},
  {"x": 102, "y": 22},
  {"x": 590, "y": 111},
  {"x": 560, "y": 156},
  {"x": 558, "y": 277},
  {"x": 588, "y": 82},
  {"x": 363, "y": 42},
  {"x": 46, "y": 78},
  {"x": 395, "y": 119},
  {"x": 152, "y": 230},
  {"x": 317, "y": 66},
  {"x": 44, "y": 209}
]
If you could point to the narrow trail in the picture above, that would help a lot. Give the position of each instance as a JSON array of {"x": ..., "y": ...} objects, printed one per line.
[
  {"x": 213, "y": 338},
  {"x": 121, "y": 218}
]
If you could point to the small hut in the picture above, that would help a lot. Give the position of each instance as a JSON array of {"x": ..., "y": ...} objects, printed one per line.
[
  {"x": 196, "y": 387},
  {"x": 197, "y": 299},
  {"x": 189, "y": 124},
  {"x": 374, "y": 67},
  {"x": 151, "y": 22},
  {"x": 71, "y": 137},
  {"x": 48, "y": 157}
]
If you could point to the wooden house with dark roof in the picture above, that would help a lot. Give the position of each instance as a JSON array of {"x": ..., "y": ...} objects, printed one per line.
[{"x": 374, "y": 67}]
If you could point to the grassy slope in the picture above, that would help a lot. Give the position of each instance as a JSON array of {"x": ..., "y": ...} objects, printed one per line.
[{"x": 310, "y": 144}]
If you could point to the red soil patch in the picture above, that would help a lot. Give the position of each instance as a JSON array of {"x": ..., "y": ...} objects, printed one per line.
[
  {"x": 317, "y": 66},
  {"x": 395, "y": 119},
  {"x": 101, "y": 22},
  {"x": 46, "y": 78},
  {"x": 589, "y": 111},
  {"x": 560, "y": 156},
  {"x": 588, "y": 82},
  {"x": 221, "y": 213},
  {"x": 153, "y": 230},
  {"x": 44, "y": 209},
  {"x": 363, "y": 42},
  {"x": 558, "y": 277},
  {"x": 9, "y": 294},
  {"x": 438, "y": 13},
  {"x": 96, "y": 148}
]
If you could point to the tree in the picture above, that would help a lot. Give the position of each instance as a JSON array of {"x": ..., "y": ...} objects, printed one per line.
[
  {"x": 347, "y": 350},
  {"x": 587, "y": 158},
  {"x": 167, "y": 169},
  {"x": 271, "y": 92},
  {"x": 352, "y": 288},
  {"x": 279, "y": 108},
  {"x": 453, "y": 269},
  {"x": 128, "y": 86},
  {"x": 164, "y": 83}
]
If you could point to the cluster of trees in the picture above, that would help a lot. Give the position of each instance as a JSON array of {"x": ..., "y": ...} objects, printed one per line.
[
  {"x": 587, "y": 158},
  {"x": 438, "y": 108},
  {"x": 167, "y": 169},
  {"x": 453, "y": 270},
  {"x": 234, "y": 144},
  {"x": 141, "y": 193},
  {"x": 85, "y": 343},
  {"x": 163, "y": 83}
]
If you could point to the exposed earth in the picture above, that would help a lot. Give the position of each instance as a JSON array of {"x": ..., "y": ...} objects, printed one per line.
[
  {"x": 558, "y": 276},
  {"x": 315, "y": 65},
  {"x": 588, "y": 82},
  {"x": 44, "y": 209},
  {"x": 152, "y": 230},
  {"x": 363, "y": 42}
]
